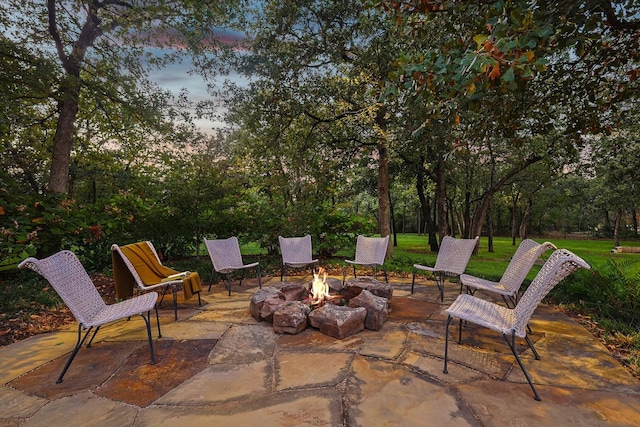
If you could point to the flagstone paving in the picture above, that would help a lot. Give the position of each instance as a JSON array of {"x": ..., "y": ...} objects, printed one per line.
[{"x": 218, "y": 366}]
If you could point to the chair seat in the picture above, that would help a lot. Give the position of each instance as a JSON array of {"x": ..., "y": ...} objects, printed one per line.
[
  {"x": 484, "y": 313},
  {"x": 129, "y": 307},
  {"x": 487, "y": 285},
  {"x": 301, "y": 264},
  {"x": 231, "y": 268}
]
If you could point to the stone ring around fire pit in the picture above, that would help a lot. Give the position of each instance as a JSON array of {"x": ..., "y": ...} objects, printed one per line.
[{"x": 290, "y": 306}]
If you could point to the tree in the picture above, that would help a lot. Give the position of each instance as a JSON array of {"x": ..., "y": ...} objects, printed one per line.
[
  {"x": 321, "y": 65},
  {"x": 104, "y": 50}
]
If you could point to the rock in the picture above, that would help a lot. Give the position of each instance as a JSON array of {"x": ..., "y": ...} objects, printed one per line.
[
  {"x": 334, "y": 284},
  {"x": 355, "y": 285},
  {"x": 377, "y": 309},
  {"x": 291, "y": 317},
  {"x": 270, "y": 296},
  {"x": 269, "y": 307},
  {"x": 338, "y": 321},
  {"x": 293, "y": 291}
]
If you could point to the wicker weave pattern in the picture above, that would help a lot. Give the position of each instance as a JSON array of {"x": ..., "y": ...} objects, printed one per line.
[
  {"x": 296, "y": 251},
  {"x": 225, "y": 255},
  {"x": 505, "y": 320},
  {"x": 68, "y": 277},
  {"x": 519, "y": 266},
  {"x": 453, "y": 256},
  {"x": 370, "y": 250}
]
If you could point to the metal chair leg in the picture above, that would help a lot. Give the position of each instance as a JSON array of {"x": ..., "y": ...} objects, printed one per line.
[
  {"x": 148, "y": 324},
  {"x": 259, "y": 276},
  {"x": 446, "y": 344},
  {"x": 72, "y": 356},
  {"x": 413, "y": 280},
  {"x": 511, "y": 344},
  {"x": 158, "y": 322}
]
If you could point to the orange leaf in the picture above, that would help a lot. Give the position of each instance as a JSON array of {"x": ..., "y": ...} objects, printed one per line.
[{"x": 495, "y": 71}]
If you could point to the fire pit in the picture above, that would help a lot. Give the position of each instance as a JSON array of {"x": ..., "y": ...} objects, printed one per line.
[{"x": 325, "y": 304}]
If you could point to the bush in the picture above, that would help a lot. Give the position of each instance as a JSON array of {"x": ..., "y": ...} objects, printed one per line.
[{"x": 608, "y": 292}]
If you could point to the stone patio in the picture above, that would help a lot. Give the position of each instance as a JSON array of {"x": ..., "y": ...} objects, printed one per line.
[{"x": 217, "y": 365}]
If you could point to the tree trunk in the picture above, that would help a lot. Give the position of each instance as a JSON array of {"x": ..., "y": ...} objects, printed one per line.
[
  {"x": 616, "y": 228},
  {"x": 384, "y": 210},
  {"x": 441, "y": 199},
  {"x": 490, "y": 226},
  {"x": 62, "y": 142},
  {"x": 523, "y": 230},
  {"x": 425, "y": 209}
]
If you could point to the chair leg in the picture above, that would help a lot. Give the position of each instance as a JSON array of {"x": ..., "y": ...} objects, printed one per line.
[
  {"x": 344, "y": 275},
  {"x": 175, "y": 303},
  {"x": 72, "y": 356},
  {"x": 93, "y": 336},
  {"x": 229, "y": 283},
  {"x": 259, "y": 276},
  {"x": 158, "y": 322},
  {"x": 213, "y": 277},
  {"x": 148, "y": 324},
  {"x": 386, "y": 277},
  {"x": 446, "y": 344},
  {"x": 511, "y": 344},
  {"x": 440, "y": 284},
  {"x": 282, "y": 271},
  {"x": 413, "y": 280},
  {"x": 533, "y": 349},
  {"x": 199, "y": 300}
]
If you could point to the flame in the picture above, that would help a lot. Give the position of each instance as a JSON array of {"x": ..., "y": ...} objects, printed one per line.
[{"x": 319, "y": 287}]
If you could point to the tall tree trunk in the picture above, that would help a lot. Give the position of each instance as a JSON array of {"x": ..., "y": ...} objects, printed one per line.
[
  {"x": 69, "y": 91},
  {"x": 616, "y": 228},
  {"x": 490, "y": 226},
  {"x": 425, "y": 209},
  {"x": 441, "y": 199},
  {"x": 523, "y": 230},
  {"x": 62, "y": 142},
  {"x": 384, "y": 209}
]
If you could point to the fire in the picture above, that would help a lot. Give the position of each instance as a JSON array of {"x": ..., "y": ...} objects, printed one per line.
[{"x": 319, "y": 287}]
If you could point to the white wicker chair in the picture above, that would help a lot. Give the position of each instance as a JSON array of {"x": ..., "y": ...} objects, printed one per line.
[
  {"x": 519, "y": 266},
  {"x": 370, "y": 252},
  {"x": 296, "y": 253},
  {"x": 226, "y": 258},
  {"x": 68, "y": 277},
  {"x": 452, "y": 260},
  {"x": 168, "y": 285},
  {"x": 510, "y": 322}
]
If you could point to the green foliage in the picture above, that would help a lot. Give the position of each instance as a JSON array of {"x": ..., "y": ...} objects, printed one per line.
[
  {"x": 24, "y": 294},
  {"x": 607, "y": 291}
]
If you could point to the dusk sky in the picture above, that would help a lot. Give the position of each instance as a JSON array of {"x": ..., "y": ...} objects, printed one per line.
[{"x": 176, "y": 76}]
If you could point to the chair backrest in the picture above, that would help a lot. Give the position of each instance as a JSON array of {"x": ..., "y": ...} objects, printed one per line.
[
  {"x": 454, "y": 254},
  {"x": 130, "y": 266},
  {"x": 295, "y": 249},
  {"x": 224, "y": 253},
  {"x": 560, "y": 264},
  {"x": 371, "y": 250},
  {"x": 68, "y": 277},
  {"x": 521, "y": 262}
]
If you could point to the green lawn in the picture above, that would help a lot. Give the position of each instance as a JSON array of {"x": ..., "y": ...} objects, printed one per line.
[{"x": 414, "y": 249}]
